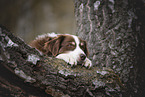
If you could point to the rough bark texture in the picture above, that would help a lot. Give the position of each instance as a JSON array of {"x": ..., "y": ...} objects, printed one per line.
[
  {"x": 49, "y": 75},
  {"x": 115, "y": 30}
]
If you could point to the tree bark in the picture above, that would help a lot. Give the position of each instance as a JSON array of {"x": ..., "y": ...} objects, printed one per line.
[
  {"x": 23, "y": 69},
  {"x": 114, "y": 30}
]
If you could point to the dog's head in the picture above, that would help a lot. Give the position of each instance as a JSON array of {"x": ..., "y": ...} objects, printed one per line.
[{"x": 67, "y": 44}]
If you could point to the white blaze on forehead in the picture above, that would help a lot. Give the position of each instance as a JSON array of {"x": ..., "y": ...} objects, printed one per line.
[
  {"x": 78, "y": 49},
  {"x": 76, "y": 40}
]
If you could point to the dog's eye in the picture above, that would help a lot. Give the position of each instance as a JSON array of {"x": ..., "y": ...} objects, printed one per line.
[{"x": 69, "y": 45}]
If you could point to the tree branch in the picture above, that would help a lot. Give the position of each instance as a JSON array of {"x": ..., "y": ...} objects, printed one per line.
[{"x": 52, "y": 75}]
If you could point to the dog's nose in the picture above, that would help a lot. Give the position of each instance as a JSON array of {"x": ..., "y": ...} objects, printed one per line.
[{"x": 82, "y": 56}]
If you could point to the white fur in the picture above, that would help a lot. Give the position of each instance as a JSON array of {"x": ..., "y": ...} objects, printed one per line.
[
  {"x": 72, "y": 57},
  {"x": 45, "y": 35},
  {"x": 52, "y": 34},
  {"x": 87, "y": 63}
]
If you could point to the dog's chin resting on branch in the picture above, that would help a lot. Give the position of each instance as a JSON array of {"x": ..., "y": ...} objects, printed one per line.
[{"x": 69, "y": 48}]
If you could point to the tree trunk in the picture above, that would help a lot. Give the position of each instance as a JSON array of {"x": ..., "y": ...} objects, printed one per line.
[{"x": 115, "y": 30}]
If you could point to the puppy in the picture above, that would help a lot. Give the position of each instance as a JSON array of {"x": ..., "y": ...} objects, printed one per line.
[{"x": 70, "y": 48}]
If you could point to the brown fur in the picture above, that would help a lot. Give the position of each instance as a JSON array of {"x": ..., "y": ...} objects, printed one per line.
[
  {"x": 57, "y": 45},
  {"x": 53, "y": 45},
  {"x": 39, "y": 43},
  {"x": 84, "y": 47}
]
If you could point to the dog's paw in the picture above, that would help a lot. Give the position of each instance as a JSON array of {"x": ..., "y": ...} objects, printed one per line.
[
  {"x": 72, "y": 61},
  {"x": 87, "y": 63}
]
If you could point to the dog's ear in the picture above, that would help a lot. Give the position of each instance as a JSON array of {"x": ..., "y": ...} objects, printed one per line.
[
  {"x": 53, "y": 45},
  {"x": 40, "y": 43},
  {"x": 86, "y": 49}
]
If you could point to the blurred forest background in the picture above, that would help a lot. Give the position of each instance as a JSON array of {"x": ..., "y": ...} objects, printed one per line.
[{"x": 29, "y": 18}]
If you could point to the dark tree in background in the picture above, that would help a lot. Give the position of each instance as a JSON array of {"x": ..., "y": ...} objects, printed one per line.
[{"x": 115, "y": 32}]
